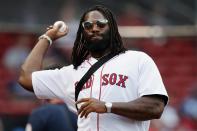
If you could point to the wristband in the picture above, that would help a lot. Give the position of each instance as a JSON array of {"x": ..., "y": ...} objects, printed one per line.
[{"x": 46, "y": 37}]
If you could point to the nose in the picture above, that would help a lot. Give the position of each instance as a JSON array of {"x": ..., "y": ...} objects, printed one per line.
[{"x": 95, "y": 28}]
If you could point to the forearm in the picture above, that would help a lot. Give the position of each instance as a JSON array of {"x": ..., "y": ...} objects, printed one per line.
[
  {"x": 33, "y": 63},
  {"x": 144, "y": 108}
]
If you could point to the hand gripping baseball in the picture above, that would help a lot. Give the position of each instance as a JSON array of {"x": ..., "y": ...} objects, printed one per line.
[{"x": 57, "y": 30}]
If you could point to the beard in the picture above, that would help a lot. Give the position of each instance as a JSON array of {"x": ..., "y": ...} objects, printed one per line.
[{"x": 99, "y": 45}]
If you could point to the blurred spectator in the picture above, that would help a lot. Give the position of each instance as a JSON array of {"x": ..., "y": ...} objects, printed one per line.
[
  {"x": 18, "y": 129},
  {"x": 188, "y": 111},
  {"x": 16, "y": 55},
  {"x": 13, "y": 59},
  {"x": 54, "y": 116},
  {"x": 168, "y": 121}
]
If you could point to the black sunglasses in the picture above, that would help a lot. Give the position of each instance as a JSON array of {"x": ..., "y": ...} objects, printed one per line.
[{"x": 101, "y": 23}]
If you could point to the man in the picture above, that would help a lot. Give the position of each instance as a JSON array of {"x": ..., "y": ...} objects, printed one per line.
[{"x": 122, "y": 95}]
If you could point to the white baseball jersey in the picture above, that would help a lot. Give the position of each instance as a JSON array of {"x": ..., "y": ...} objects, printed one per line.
[{"x": 124, "y": 78}]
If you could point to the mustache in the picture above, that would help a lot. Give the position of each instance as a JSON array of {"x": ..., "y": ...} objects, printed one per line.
[{"x": 96, "y": 34}]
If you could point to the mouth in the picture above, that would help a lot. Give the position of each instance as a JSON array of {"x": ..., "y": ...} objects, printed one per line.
[{"x": 96, "y": 37}]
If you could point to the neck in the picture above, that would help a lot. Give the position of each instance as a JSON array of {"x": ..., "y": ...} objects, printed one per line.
[{"x": 98, "y": 55}]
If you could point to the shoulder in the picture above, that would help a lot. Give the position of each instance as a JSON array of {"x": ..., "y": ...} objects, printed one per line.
[
  {"x": 69, "y": 68},
  {"x": 136, "y": 53},
  {"x": 132, "y": 55}
]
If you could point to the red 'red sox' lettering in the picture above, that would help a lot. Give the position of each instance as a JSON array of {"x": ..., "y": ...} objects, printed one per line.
[
  {"x": 113, "y": 78},
  {"x": 88, "y": 84},
  {"x": 122, "y": 80}
]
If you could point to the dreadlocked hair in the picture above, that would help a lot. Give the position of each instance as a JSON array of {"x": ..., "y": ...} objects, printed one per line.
[{"x": 80, "y": 53}]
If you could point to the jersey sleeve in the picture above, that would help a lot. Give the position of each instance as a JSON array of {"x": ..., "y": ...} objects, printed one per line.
[
  {"x": 48, "y": 84},
  {"x": 150, "y": 81}
]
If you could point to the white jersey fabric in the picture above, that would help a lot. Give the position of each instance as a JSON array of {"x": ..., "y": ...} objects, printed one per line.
[{"x": 124, "y": 78}]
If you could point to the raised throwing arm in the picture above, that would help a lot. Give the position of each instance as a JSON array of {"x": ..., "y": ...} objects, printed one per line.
[{"x": 35, "y": 59}]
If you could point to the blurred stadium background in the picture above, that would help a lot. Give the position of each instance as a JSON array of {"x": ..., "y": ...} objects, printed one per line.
[{"x": 165, "y": 29}]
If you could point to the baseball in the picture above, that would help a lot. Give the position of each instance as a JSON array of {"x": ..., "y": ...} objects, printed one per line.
[{"x": 61, "y": 25}]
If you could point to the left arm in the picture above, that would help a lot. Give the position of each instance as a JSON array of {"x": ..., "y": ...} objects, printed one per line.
[{"x": 144, "y": 108}]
